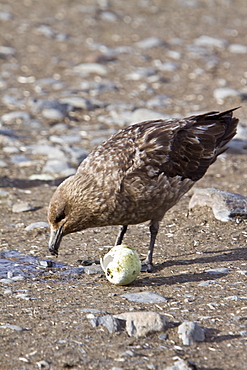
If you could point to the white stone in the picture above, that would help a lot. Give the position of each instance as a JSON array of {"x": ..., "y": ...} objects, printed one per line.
[
  {"x": 190, "y": 332},
  {"x": 141, "y": 323}
]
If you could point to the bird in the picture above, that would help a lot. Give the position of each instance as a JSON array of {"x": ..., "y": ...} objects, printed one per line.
[{"x": 138, "y": 174}]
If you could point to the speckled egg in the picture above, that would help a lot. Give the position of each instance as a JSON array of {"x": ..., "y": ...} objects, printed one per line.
[{"x": 121, "y": 265}]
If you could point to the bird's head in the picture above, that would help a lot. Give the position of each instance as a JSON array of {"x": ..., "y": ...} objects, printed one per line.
[{"x": 63, "y": 214}]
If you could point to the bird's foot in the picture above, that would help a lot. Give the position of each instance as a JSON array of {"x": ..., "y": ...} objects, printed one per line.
[{"x": 147, "y": 267}]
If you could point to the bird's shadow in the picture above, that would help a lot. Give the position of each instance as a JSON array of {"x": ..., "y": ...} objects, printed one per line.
[
  {"x": 211, "y": 336},
  {"x": 236, "y": 254}
]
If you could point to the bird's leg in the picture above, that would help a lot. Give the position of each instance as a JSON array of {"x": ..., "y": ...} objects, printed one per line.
[
  {"x": 154, "y": 228},
  {"x": 120, "y": 236}
]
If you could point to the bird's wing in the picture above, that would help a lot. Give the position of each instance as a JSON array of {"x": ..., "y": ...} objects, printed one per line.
[{"x": 196, "y": 146}]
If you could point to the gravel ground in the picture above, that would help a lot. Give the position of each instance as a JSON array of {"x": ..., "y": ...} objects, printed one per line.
[{"x": 72, "y": 74}]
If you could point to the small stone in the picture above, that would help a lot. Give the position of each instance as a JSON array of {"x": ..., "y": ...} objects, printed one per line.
[
  {"x": 145, "y": 297},
  {"x": 3, "y": 193},
  {"x": 8, "y": 291},
  {"x": 85, "y": 69},
  {"x": 143, "y": 114},
  {"x": 111, "y": 323},
  {"x": 46, "y": 31},
  {"x": 12, "y": 327},
  {"x": 41, "y": 177},
  {"x": 179, "y": 365},
  {"x": 23, "y": 296},
  {"x": 78, "y": 102},
  {"x": 140, "y": 73},
  {"x": 208, "y": 283},
  {"x": 242, "y": 272},
  {"x": 46, "y": 149},
  {"x": 218, "y": 271},
  {"x": 21, "y": 160},
  {"x": 6, "y": 281},
  {"x": 44, "y": 365},
  {"x": 15, "y": 116},
  {"x": 68, "y": 139},
  {"x": 163, "y": 336},
  {"x": 225, "y": 205},
  {"x": 61, "y": 167},
  {"x": 158, "y": 101},
  {"x": 208, "y": 41},
  {"x": 167, "y": 66},
  {"x": 45, "y": 264},
  {"x": 53, "y": 114},
  {"x": 238, "y": 49},
  {"x": 108, "y": 16},
  {"x": 37, "y": 225},
  {"x": 93, "y": 270},
  {"x": 141, "y": 323},
  {"x": 18, "y": 278},
  {"x": 22, "y": 207},
  {"x": 5, "y": 16},
  {"x": 6, "y": 51},
  {"x": 243, "y": 333},
  {"x": 2, "y": 165},
  {"x": 149, "y": 43},
  {"x": 222, "y": 93},
  {"x": 190, "y": 332},
  {"x": 39, "y": 105}
]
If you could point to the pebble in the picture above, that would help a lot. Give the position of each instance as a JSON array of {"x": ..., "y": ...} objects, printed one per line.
[
  {"x": 144, "y": 114},
  {"x": 47, "y": 150},
  {"x": 39, "y": 105},
  {"x": 3, "y": 193},
  {"x": 86, "y": 69},
  {"x": 53, "y": 114},
  {"x": 144, "y": 297},
  {"x": 149, "y": 43},
  {"x": 44, "y": 365},
  {"x": 22, "y": 207},
  {"x": 237, "y": 49},
  {"x": 141, "y": 73},
  {"x": 111, "y": 323},
  {"x": 59, "y": 167},
  {"x": 15, "y": 116},
  {"x": 5, "y": 16},
  {"x": 45, "y": 264},
  {"x": 163, "y": 336},
  {"x": 79, "y": 102},
  {"x": 93, "y": 270},
  {"x": 208, "y": 41},
  {"x": 139, "y": 324},
  {"x": 7, "y": 51},
  {"x": 3, "y": 164},
  {"x": 222, "y": 93},
  {"x": 179, "y": 365},
  {"x": 37, "y": 225},
  {"x": 225, "y": 205},
  {"x": 218, "y": 271},
  {"x": 158, "y": 101},
  {"x": 208, "y": 283},
  {"x": 41, "y": 177},
  {"x": 25, "y": 296},
  {"x": 190, "y": 332},
  {"x": 12, "y": 327}
]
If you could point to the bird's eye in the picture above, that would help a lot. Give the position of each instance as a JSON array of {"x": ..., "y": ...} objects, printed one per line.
[{"x": 60, "y": 217}]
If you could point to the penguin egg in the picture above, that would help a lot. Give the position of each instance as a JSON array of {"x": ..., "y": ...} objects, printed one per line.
[{"x": 121, "y": 265}]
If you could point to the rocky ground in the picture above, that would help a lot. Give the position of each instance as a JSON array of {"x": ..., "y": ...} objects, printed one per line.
[{"x": 73, "y": 73}]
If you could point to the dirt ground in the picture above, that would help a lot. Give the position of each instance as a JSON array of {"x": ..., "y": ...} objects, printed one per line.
[{"x": 57, "y": 334}]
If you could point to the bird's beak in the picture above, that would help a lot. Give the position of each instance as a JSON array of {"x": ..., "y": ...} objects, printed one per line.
[{"x": 55, "y": 240}]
